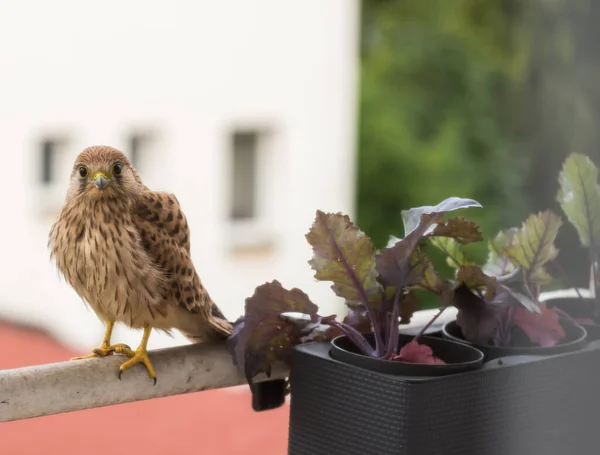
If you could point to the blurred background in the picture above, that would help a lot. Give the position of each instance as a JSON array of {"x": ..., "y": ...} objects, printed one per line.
[{"x": 256, "y": 114}]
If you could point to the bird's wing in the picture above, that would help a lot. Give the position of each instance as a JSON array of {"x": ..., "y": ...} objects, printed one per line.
[{"x": 165, "y": 236}]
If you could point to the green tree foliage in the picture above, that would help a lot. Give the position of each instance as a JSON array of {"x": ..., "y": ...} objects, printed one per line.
[
  {"x": 441, "y": 85},
  {"x": 563, "y": 109}
]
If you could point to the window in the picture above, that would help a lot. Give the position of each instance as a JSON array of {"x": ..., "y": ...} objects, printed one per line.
[
  {"x": 49, "y": 150},
  {"x": 253, "y": 190},
  {"x": 139, "y": 145},
  {"x": 145, "y": 151},
  {"x": 244, "y": 175},
  {"x": 55, "y": 162},
  {"x": 136, "y": 147}
]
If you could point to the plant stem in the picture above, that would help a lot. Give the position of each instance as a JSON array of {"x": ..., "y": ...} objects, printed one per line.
[
  {"x": 594, "y": 255},
  {"x": 356, "y": 337},
  {"x": 386, "y": 325},
  {"x": 508, "y": 320},
  {"x": 392, "y": 345},
  {"x": 564, "y": 276},
  {"x": 442, "y": 309}
]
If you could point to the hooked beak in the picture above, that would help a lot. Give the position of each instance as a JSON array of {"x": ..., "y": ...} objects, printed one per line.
[{"x": 100, "y": 179}]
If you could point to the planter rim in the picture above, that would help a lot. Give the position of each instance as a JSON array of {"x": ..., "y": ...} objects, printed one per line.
[
  {"x": 571, "y": 345},
  {"x": 475, "y": 357},
  {"x": 578, "y": 308}
]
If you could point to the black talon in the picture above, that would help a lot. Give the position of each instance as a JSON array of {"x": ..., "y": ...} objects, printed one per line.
[
  {"x": 120, "y": 373},
  {"x": 154, "y": 381}
]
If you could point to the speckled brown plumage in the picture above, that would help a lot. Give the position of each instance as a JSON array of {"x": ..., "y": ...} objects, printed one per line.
[{"x": 126, "y": 251}]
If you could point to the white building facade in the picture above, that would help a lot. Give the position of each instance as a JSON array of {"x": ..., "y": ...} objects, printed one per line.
[{"x": 245, "y": 110}]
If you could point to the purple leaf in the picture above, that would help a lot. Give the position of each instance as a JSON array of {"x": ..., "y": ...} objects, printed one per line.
[
  {"x": 408, "y": 305},
  {"x": 323, "y": 333},
  {"x": 414, "y": 352},
  {"x": 476, "y": 280},
  {"x": 358, "y": 318},
  {"x": 543, "y": 329},
  {"x": 476, "y": 318},
  {"x": 460, "y": 229},
  {"x": 401, "y": 263},
  {"x": 343, "y": 254},
  {"x": 262, "y": 337},
  {"x": 406, "y": 265},
  {"x": 515, "y": 284}
]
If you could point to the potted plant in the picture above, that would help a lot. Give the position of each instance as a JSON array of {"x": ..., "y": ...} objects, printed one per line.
[
  {"x": 514, "y": 322},
  {"x": 361, "y": 368},
  {"x": 579, "y": 198},
  {"x": 358, "y": 386},
  {"x": 378, "y": 289}
]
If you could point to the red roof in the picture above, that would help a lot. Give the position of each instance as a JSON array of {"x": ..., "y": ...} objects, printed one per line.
[{"x": 211, "y": 422}]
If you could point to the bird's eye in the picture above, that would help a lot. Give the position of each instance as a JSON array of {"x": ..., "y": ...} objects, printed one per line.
[
  {"x": 117, "y": 169},
  {"x": 83, "y": 172}
]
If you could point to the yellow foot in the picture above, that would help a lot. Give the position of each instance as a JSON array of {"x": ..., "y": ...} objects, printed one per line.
[
  {"x": 105, "y": 350},
  {"x": 139, "y": 356}
]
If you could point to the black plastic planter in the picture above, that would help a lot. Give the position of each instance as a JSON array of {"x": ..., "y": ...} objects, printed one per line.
[
  {"x": 435, "y": 330},
  {"x": 458, "y": 357},
  {"x": 579, "y": 309},
  {"x": 268, "y": 395},
  {"x": 546, "y": 405},
  {"x": 575, "y": 339}
]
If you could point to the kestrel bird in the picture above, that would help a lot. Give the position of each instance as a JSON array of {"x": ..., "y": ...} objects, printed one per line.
[{"x": 125, "y": 249}]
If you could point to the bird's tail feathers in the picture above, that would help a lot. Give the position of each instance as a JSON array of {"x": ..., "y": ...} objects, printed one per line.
[{"x": 214, "y": 327}]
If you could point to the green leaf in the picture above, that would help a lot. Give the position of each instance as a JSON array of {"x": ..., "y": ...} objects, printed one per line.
[
  {"x": 497, "y": 264},
  {"x": 579, "y": 197},
  {"x": 421, "y": 273},
  {"x": 345, "y": 255},
  {"x": 455, "y": 257},
  {"x": 412, "y": 217},
  {"x": 476, "y": 280},
  {"x": 532, "y": 246},
  {"x": 460, "y": 229}
]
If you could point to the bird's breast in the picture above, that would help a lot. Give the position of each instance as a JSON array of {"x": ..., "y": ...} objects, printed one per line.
[
  {"x": 92, "y": 250},
  {"x": 99, "y": 251}
]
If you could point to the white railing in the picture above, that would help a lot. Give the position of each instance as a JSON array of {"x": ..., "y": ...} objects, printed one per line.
[
  {"x": 83, "y": 384},
  {"x": 92, "y": 383}
]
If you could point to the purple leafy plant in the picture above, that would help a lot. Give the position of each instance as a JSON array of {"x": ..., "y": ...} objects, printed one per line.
[
  {"x": 377, "y": 286},
  {"x": 517, "y": 262},
  {"x": 579, "y": 198},
  {"x": 518, "y": 258}
]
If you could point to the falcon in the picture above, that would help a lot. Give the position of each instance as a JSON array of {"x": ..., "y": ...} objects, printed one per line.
[{"x": 125, "y": 250}]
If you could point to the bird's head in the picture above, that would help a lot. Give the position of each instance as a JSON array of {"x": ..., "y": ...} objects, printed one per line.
[{"x": 101, "y": 172}]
